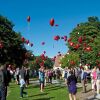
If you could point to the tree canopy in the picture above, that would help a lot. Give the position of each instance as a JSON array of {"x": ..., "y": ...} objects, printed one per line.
[
  {"x": 12, "y": 48},
  {"x": 70, "y": 60},
  {"x": 85, "y": 40},
  {"x": 39, "y": 61}
]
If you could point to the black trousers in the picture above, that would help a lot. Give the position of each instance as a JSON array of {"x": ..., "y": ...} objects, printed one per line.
[
  {"x": 22, "y": 91},
  {"x": 50, "y": 79},
  {"x": 3, "y": 92}
]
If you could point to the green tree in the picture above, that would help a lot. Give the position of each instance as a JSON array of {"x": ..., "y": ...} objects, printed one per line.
[
  {"x": 49, "y": 63},
  {"x": 85, "y": 40},
  {"x": 36, "y": 62},
  {"x": 12, "y": 48},
  {"x": 70, "y": 60}
]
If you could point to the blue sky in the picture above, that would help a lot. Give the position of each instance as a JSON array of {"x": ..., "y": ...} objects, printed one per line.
[{"x": 67, "y": 13}]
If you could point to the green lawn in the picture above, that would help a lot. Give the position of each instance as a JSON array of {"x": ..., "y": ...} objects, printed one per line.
[{"x": 51, "y": 92}]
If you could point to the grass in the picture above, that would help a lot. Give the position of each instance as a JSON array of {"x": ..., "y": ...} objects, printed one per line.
[{"x": 51, "y": 92}]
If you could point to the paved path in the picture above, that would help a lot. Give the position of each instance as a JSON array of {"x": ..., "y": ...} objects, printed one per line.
[
  {"x": 89, "y": 95},
  {"x": 37, "y": 82}
]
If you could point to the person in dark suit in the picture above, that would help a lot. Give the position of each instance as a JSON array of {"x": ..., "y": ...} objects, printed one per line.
[
  {"x": 3, "y": 81},
  {"x": 27, "y": 76}
]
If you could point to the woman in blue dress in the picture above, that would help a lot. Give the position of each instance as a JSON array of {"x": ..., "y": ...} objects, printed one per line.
[
  {"x": 41, "y": 78},
  {"x": 71, "y": 82}
]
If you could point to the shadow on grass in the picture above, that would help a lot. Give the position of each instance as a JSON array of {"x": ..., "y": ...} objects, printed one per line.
[
  {"x": 13, "y": 86},
  {"x": 40, "y": 94},
  {"x": 55, "y": 88},
  {"x": 32, "y": 86},
  {"x": 44, "y": 98},
  {"x": 88, "y": 90},
  {"x": 80, "y": 88}
]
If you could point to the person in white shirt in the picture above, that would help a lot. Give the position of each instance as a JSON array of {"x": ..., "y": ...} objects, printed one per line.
[
  {"x": 94, "y": 78},
  {"x": 98, "y": 80},
  {"x": 22, "y": 86}
]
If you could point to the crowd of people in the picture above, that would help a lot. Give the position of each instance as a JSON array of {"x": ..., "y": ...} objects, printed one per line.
[
  {"x": 83, "y": 75},
  {"x": 46, "y": 76},
  {"x": 20, "y": 76},
  {"x": 71, "y": 77}
]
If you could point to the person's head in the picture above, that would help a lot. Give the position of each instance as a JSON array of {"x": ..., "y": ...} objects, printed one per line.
[
  {"x": 42, "y": 69},
  {"x": 26, "y": 68},
  {"x": 95, "y": 68},
  {"x": 1, "y": 67},
  {"x": 71, "y": 72},
  {"x": 18, "y": 68},
  {"x": 98, "y": 68},
  {"x": 66, "y": 68},
  {"x": 5, "y": 66},
  {"x": 22, "y": 67}
]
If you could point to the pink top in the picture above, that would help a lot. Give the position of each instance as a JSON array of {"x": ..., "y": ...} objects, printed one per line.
[{"x": 94, "y": 75}]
